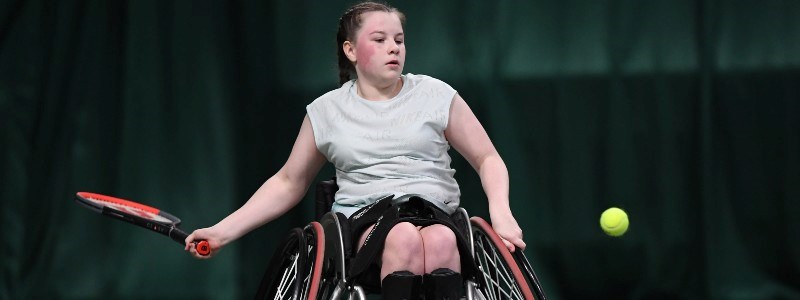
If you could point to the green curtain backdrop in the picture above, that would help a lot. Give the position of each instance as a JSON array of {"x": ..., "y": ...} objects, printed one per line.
[{"x": 684, "y": 113}]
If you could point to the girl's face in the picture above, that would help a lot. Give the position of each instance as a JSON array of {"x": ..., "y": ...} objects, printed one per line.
[{"x": 379, "y": 50}]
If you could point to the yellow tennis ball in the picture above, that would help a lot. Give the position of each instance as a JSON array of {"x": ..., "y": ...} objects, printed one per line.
[{"x": 614, "y": 221}]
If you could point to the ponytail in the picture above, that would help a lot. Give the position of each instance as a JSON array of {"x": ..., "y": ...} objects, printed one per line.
[{"x": 346, "y": 67}]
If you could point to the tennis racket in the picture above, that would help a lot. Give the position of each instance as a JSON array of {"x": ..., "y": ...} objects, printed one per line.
[{"x": 139, "y": 214}]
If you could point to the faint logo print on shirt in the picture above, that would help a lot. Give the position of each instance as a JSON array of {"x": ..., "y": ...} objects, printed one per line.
[
  {"x": 379, "y": 135},
  {"x": 417, "y": 116}
]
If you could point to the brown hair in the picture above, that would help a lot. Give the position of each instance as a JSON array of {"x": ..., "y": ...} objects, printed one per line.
[{"x": 349, "y": 23}]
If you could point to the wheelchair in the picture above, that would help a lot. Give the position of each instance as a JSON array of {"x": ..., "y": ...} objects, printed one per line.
[{"x": 312, "y": 262}]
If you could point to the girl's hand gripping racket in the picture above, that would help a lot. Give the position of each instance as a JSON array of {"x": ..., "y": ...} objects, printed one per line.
[{"x": 139, "y": 214}]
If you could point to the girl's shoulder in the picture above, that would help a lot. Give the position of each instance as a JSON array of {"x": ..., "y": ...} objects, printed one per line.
[
  {"x": 425, "y": 82},
  {"x": 421, "y": 80},
  {"x": 335, "y": 93}
]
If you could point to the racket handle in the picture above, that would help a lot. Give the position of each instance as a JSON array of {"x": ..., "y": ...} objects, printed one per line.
[{"x": 203, "y": 248}]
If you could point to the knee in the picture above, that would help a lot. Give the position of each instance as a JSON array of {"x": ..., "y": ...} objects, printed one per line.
[
  {"x": 439, "y": 239},
  {"x": 404, "y": 238}
]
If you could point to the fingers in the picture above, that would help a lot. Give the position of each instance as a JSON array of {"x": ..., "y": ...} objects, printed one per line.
[
  {"x": 194, "y": 253},
  {"x": 188, "y": 242},
  {"x": 519, "y": 243},
  {"x": 509, "y": 245},
  {"x": 512, "y": 241}
]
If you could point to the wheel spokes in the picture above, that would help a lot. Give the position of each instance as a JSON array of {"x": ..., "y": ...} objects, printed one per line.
[
  {"x": 287, "y": 279},
  {"x": 499, "y": 282}
]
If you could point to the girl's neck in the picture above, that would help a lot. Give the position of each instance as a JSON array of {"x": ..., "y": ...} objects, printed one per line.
[{"x": 376, "y": 92}]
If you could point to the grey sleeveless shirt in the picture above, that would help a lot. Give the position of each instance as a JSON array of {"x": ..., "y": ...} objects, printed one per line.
[{"x": 390, "y": 147}]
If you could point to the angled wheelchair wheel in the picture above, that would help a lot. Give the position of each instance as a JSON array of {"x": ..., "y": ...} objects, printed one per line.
[
  {"x": 316, "y": 255},
  {"x": 292, "y": 272},
  {"x": 530, "y": 275},
  {"x": 504, "y": 277},
  {"x": 333, "y": 284}
]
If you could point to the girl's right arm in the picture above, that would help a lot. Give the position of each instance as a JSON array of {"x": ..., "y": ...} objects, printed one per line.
[{"x": 275, "y": 197}]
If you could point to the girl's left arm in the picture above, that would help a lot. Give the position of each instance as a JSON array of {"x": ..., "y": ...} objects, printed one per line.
[{"x": 466, "y": 134}]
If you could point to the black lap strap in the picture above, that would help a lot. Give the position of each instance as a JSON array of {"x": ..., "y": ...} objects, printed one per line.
[
  {"x": 366, "y": 216},
  {"x": 417, "y": 211}
]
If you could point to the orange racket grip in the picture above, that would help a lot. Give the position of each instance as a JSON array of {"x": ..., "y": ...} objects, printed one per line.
[{"x": 203, "y": 248}]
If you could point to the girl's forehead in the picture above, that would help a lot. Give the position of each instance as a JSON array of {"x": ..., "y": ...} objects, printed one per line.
[{"x": 380, "y": 21}]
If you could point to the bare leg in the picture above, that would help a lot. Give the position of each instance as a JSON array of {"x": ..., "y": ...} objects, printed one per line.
[
  {"x": 402, "y": 251},
  {"x": 363, "y": 238},
  {"x": 419, "y": 251},
  {"x": 440, "y": 248}
]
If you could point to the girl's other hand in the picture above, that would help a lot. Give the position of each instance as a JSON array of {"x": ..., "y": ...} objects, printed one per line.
[{"x": 509, "y": 231}]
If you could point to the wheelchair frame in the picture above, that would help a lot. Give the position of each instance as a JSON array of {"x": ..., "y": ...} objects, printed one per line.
[{"x": 312, "y": 262}]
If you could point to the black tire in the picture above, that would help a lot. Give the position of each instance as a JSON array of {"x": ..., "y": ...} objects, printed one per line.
[
  {"x": 289, "y": 263},
  {"x": 530, "y": 275}
]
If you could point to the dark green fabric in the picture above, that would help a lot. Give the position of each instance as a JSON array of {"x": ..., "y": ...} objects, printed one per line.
[{"x": 684, "y": 113}]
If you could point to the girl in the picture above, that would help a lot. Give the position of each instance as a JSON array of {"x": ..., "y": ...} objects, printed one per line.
[{"x": 387, "y": 134}]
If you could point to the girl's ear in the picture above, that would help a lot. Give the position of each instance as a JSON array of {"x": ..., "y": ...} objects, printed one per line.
[{"x": 349, "y": 50}]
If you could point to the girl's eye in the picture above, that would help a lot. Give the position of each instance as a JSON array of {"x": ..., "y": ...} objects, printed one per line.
[
  {"x": 379, "y": 40},
  {"x": 399, "y": 42}
]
